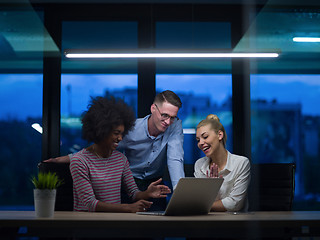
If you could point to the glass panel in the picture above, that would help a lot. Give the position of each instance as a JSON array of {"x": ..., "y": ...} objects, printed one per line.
[
  {"x": 201, "y": 94},
  {"x": 117, "y": 77},
  {"x": 23, "y": 39},
  {"x": 193, "y": 35},
  {"x": 76, "y": 90},
  {"x": 99, "y": 35},
  {"x": 285, "y": 124},
  {"x": 204, "y": 85},
  {"x": 21, "y": 98},
  {"x": 188, "y": 35}
]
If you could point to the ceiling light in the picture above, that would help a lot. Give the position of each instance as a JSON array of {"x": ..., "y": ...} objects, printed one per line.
[
  {"x": 149, "y": 54},
  {"x": 306, "y": 39}
]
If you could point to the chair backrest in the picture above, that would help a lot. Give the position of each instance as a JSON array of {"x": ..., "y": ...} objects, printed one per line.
[
  {"x": 64, "y": 198},
  {"x": 271, "y": 187},
  {"x": 189, "y": 170}
]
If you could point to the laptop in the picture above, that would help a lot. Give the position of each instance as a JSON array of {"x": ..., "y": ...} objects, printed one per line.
[{"x": 192, "y": 196}]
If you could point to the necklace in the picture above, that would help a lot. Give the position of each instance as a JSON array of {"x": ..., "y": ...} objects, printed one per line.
[{"x": 95, "y": 152}]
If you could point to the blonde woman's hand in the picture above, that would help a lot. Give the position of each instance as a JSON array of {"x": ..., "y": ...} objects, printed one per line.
[{"x": 213, "y": 171}]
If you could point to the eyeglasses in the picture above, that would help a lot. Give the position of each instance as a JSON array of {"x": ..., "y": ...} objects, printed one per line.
[{"x": 165, "y": 116}]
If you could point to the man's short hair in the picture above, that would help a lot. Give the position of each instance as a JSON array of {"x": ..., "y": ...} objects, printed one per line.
[{"x": 168, "y": 96}]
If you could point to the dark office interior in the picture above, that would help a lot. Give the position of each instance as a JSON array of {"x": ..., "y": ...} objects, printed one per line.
[{"x": 269, "y": 106}]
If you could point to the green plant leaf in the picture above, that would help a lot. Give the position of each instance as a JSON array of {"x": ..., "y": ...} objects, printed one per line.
[{"x": 47, "y": 180}]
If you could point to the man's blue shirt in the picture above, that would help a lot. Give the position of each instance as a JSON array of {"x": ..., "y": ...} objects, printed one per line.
[{"x": 148, "y": 155}]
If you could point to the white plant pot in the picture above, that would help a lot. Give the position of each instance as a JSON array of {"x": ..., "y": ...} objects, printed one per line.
[{"x": 44, "y": 201}]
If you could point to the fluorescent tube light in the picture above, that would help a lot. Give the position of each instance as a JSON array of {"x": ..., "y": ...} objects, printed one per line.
[
  {"x": 37, "y": 127},
  {"x": 306, "y": 39},
  {"x": 171, "y": 55}
]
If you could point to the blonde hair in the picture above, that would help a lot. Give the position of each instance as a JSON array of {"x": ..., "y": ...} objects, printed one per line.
[{"x": 215, "y": 125}]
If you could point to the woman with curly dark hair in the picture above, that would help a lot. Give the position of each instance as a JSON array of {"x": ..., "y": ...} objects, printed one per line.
[{"x": 99, "y": 171}]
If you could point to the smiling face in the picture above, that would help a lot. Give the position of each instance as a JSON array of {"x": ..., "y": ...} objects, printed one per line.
[
  {"x": 163, "y": 115},
  {"x": 112, "y": 141},
  {"x": 208, "y": 140}
]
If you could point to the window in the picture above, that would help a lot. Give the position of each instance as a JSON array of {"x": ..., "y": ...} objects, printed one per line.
[
  {"x": 76, "y": 91},
  {"x": 285, "y": 123},
  {"x": 21, "y": 98},
  {"x": 99, "y": 35},
  {"x": 204, "y": 86},
  {"x": 82, "y": 79},
  {"x": 201, "y": 94}
]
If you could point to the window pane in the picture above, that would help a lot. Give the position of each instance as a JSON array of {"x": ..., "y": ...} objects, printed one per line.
[
  {"x": 99, "y": 35},
  {"x": 193, "y": 35},
  {"x": 21, "y": 106},
  {"x": 204, "y": 85},
  {"x": 98, "y": 77},
  {"x": 188, "y": 35},
  {"x": 76, "y": 90},
  {"x": 201, "y": 94},
  {"x": 285, "y": 124}
]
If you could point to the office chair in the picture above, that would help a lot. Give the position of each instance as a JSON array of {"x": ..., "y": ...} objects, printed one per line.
[
  {"x": 64, "y": 198},
  {"x": 189, "y": 170},
  {"x": 271, "y": 187}
]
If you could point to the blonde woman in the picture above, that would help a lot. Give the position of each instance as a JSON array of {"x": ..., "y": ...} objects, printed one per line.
[{"x": 219, "y": 162}]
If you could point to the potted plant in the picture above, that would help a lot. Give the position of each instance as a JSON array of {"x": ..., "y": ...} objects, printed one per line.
[{"x": 46, "y": 184}]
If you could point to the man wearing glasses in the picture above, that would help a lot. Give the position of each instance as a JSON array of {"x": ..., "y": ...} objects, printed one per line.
[{"x": 156, "y": 140}]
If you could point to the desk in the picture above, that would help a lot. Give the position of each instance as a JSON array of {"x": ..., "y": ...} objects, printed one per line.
[{"x": 229, "y": 225}]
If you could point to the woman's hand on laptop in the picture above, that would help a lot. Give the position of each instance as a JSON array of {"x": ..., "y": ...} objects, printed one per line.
[{"x": 139, "y": 206}]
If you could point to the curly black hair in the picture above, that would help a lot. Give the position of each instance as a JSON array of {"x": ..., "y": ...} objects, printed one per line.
[{"x": 103, "y": 115}]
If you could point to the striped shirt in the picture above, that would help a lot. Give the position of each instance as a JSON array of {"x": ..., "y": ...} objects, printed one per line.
[{"x": 99, "y": 179}]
